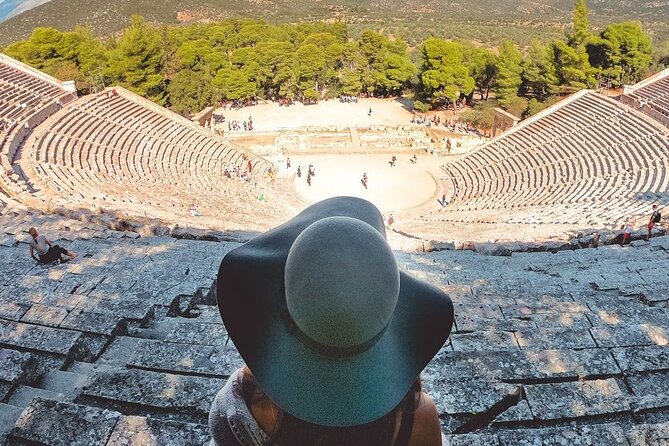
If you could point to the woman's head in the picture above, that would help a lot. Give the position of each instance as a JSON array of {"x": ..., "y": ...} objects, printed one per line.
[
  {"x": 33, "y": 232},
  {"x": 334, "y": 331}
]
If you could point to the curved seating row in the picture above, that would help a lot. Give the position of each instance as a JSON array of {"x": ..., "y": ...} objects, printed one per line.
[
  {"x": 115, "y": 151},
  {"x": 590, "y": 159}
]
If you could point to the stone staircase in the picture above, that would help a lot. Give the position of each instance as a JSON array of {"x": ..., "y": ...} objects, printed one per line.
[{"x": 124, "y": 346}]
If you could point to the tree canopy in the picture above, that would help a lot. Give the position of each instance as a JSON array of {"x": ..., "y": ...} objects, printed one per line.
[{"x": 189, "y": 67}]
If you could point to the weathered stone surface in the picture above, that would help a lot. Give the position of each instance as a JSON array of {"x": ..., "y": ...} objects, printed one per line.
[
  {"x": 181, "y": 358},
  {"x": 35, "y": 337},
  {"x": 189, "y": 394},
  {"x": 484, "y": 341},
  {"x": 576, "y": 321},
  {"x": 585, "y": 435},
  {"x": 576, "y": 399},
  {"x": 555, "y": 338},
  {"x": 626, "y": 336},
  {"x": 467, "y": 323},
  {"x": 650, "y": 390},
  {"x": 45, "y": 315},
  {"x": 642, "y": 359},
  {"x": 649, "y": 435},
  {"x": 56, "y": 423},
  {"x": 198, "y": 333},
  {"x": 519, "y": 412},
  {"x": 14, "y": 365},
  {"x": 96, "y": 323},
  {"x": 465, "y": 397},
  {"x": 12, "y": 310},
  {"x": 133, "y": 430}
]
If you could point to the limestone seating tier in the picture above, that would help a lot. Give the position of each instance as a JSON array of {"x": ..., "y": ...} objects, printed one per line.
[
  {"x": 654, "y": 95},
  {"x": 116, "y": 152},
  {"x": 124, "y": 343},
  {"x": 590, "y": 158},
  {"x": 26, "y": 99}
]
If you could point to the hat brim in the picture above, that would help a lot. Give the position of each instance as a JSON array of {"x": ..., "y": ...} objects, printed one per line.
[{"x": 311, "y": 386}]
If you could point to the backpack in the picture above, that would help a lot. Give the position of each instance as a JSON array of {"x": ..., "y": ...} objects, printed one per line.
[{"x": 657, "y": 217}]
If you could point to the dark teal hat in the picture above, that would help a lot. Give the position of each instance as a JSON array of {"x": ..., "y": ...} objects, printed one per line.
[{"x": 334, "y": 333}]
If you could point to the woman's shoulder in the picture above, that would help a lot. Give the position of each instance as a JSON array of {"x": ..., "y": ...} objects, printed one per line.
[{"x": 427, "y": 428}]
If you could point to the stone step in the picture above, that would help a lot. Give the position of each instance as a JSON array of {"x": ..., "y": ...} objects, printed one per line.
[
  {"x": 15, "y": 367},
  {"x": 60, "y": 423},
  {"x": 66, "y": 382},
  {"x": 136, "y": 430},
  {"x": 9, "y": 413},
  {"x": 23, "y": 395},
  {"x": 189, "y": 397},
  {"x": 649, "y": 435}
]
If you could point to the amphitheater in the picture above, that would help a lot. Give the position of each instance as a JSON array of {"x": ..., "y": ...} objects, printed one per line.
[{"x": 553, "y": 343}]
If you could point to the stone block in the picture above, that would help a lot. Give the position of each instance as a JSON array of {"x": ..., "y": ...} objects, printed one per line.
[
  {"x": 574, "y": 321},
  {"x": 548, "y": 308},
  {"x": 14, "y": 365},
  {"x": 38, "y": 338},
  {"x": 651, "y": 391},
  {"x": 465, "y": 396},
  {"x": 134, "y": 430},
  {"x": 185, "y": 394},
  {"x": 45, "y": 315},
  {"x": 466, "y": 323},
  {"x": 96, "y": 323},
  {"x": 610, "y": 434},
  {"x": 472, "y": 440},
  {"x": 484, "y": 341},
  {"x": 554, "y": 338},
  {"x": 555, "y": 401},
  {"x": 198, "y": 333},
  {"x": 627, "y": 336},
  {"x": 12, "y": 310},
  {"x": 519, "y": 412},
  {"x": 649, "y": 435},
  {"x": 642, "y": 359},
  {"x": 64, "y": 424}
]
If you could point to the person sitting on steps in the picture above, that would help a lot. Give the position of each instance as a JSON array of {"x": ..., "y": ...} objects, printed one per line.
[
  {"x": 46, "y": 251},
  {"x": 333, "y": 335}
]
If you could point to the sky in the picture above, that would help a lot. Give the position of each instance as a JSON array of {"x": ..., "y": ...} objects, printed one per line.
[{"x": 13, "y": 7}]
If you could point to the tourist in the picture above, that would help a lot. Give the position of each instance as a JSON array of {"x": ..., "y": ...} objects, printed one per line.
[
  {"x": 627, "y": 232},
  {"x": 364, "y": 180},
  {"x": 391, "y": 220},
  {"x": 370, "y": 112},
  {"x": 442, "y": 201},
  {"x": 309, "y": 179},
  {"x": 351, "y": 381},
  {"x": 655, "y": 218},
  {"x": 299, "y": 172},
  {"x": 594, "y": 241},
  {"x": 193, "y": 211},
  {"x": 392, "y": 161},
  {"x": 249, "y": 165},
  {"x": 288, "y": 163},
  {"x": 46, "y": 251}
]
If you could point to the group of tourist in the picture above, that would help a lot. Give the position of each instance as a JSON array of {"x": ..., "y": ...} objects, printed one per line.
[
  {"x": 236, "y": 126},
  {"x": 628, "y": 226},
  {"x": 346, "y": 99}
]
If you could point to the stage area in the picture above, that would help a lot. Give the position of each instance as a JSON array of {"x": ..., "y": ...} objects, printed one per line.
[
  {"x": 272, "y": 117},
  {"x": 391, "y": 189}
]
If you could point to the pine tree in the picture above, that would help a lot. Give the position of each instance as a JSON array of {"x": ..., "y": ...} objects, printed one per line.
[
  {"x": 509, "y": 77},
  {"x": 581, "y": 25}
]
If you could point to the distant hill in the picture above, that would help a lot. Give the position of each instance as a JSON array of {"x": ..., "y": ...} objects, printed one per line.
[{"x": 109, "y": 16}]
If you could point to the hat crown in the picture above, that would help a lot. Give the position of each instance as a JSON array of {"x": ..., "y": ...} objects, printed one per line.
[{"x": 342, "y": 283}]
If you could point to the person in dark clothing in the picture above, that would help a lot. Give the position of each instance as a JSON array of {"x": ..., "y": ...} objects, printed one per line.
[{"x": 46, "y": 251}]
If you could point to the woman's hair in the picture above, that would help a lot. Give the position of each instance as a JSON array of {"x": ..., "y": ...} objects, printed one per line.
[{"x": 291, "y": 431}]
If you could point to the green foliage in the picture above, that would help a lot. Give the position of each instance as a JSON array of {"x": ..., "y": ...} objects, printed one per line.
[
  {"x": 137, "y": 59},
  {"x": 539, "y": 73},
  {"x": 581, "y": 25},
  {"x": 74, "y": 55},
  {"x": 573, "y": 67},
  {"x": 443, "y": 76},
  {"x": 535, "y": 106},
  {"x": 421, "y": 106},
  {"x": 509, "y": 77},
  {"x": 481, "y": 116},
  {"x": 622, "y": 52},
  {"x": 190, "y": 67},
  {"x": 483, "y": 68}
]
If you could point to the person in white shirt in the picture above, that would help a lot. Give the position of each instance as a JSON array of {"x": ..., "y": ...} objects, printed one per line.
[{"x": 46, "y": 251}]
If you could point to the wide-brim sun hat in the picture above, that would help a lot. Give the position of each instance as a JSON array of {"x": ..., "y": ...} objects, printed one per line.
[{"x": 334, "y": 333}]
